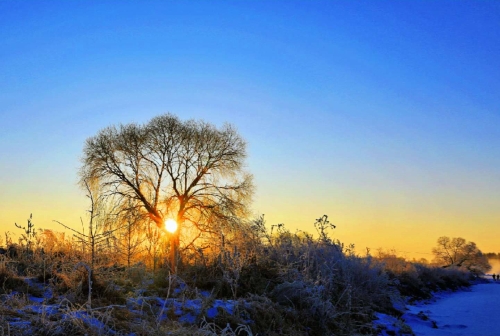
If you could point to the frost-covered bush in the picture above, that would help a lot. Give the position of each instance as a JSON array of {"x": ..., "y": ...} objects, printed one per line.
[
  {"x": 321, "y": 285},
  {"x": 418, "y": 281}
]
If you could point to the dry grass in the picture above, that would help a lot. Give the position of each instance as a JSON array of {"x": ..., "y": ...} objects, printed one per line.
[{"x": 280, "y": 283}]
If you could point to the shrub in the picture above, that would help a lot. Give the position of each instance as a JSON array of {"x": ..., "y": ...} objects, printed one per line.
[
  {"x": 9, "y": 282},
  {"x": 418, "y": 281}
]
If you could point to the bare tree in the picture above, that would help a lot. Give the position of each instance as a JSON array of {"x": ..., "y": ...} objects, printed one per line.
[
  {"x": 191, "y": 171},
  {"x": 101, "y": 214},
  {"x": 457, "y": 252},
  {"x": 153, "y": 243},
  {"x": 131, "y": 234}
]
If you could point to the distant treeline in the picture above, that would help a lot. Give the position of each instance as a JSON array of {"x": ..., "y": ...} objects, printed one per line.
[{"x": 493, "y": 255}]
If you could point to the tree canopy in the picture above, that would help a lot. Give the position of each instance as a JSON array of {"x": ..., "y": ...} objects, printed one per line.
[
  {"x": 189, "y": 170},
  {"x": 457, "y": 252}
]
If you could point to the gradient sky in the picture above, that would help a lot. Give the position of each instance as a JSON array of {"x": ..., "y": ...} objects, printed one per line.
[{"x": 384, "y": 115}]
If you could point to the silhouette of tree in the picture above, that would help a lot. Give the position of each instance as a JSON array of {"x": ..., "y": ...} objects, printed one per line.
[
  {"x": 457, "y": 252},
  {"x": 188, "y": 170}
]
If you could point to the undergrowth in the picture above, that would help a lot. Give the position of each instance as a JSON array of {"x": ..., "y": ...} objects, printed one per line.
[{"x": 260, "y": 282}]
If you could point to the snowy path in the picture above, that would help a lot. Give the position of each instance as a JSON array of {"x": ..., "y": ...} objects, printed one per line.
[{"x": 470, "y": 313}]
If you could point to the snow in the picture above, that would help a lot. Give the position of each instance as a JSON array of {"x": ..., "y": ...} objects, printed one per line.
[
  {"x": 187, "y": 310},
  {"x": 43, "y": 309},
  {"x": 391, "y": 325},
  {"x": 468, "y": 312},
  {"x": 211, "y": 312},
  {"x": 92, "y": 321}
]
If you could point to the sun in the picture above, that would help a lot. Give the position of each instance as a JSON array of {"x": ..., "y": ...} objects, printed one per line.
[{"x": 171, "y": 225}]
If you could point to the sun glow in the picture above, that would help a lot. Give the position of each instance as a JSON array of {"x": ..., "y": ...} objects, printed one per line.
[{"x": 171, "y": 225}]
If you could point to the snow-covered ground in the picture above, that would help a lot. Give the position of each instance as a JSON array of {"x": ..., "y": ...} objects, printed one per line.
[
  {"x": 470, "y": 312},
  {"x": 19, "y": 310}
]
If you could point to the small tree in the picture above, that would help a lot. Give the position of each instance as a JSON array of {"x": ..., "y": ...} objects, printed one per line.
[
  {"x": 29, "y": 233},
  {"x": 457, "y": 252},
  {"x": 99, "y": 225},
  {"x": 131, "y": 235},
  {"x": 153, "y": 243}
]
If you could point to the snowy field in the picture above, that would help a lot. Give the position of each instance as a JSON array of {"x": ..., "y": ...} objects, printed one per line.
[{"x": 468, "y": 313}]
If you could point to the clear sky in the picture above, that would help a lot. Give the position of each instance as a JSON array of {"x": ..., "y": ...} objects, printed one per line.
[{"x": 384, "y": 115}]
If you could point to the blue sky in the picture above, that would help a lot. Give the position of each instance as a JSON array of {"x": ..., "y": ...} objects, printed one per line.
[{"x": 382, "y": 114}]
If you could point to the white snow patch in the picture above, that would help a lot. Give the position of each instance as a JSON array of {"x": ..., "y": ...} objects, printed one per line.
[
  {"x": 470, "y": 312},
  {"x": 389, "y": 325}
]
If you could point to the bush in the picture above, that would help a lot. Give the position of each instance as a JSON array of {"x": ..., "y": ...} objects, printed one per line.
[
  {"x": 418, "y": 281},
  {"x": 10, "y": 282}
]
